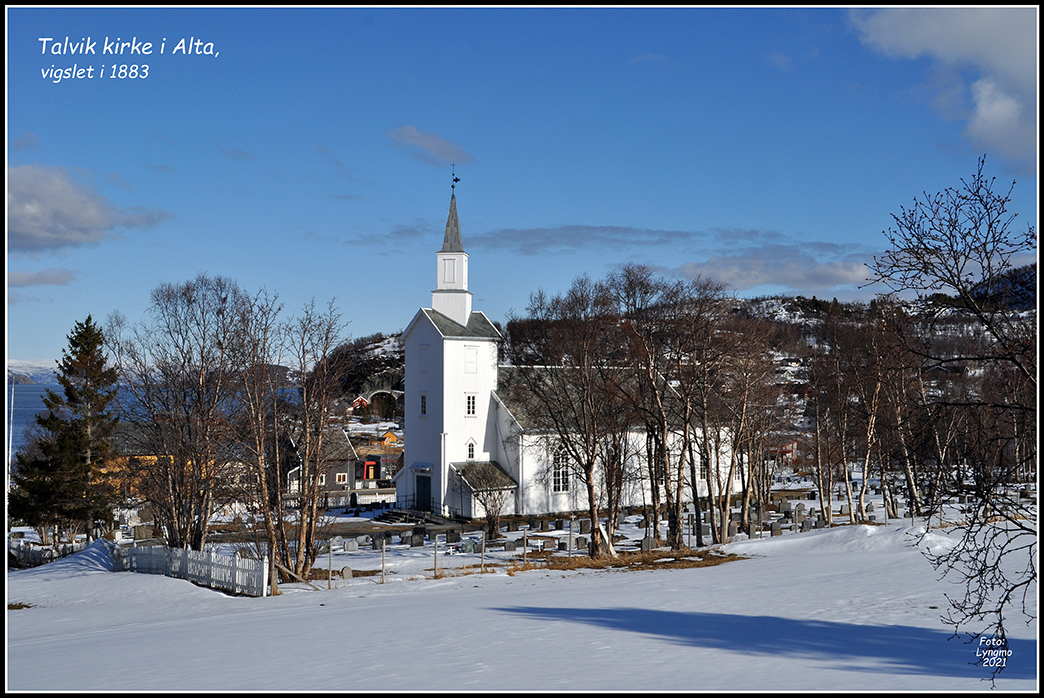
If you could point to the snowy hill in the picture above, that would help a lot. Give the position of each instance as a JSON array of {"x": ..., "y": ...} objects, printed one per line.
[
  {"x": 41, "y": 372},
  {"x": 852, "y": 608}
]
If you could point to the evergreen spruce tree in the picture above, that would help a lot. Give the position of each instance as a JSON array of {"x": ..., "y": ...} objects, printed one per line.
[{"x": 63, "y": 477}]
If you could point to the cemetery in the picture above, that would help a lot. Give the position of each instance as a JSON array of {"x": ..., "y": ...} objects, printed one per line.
[{"x": 426, "y": 550}]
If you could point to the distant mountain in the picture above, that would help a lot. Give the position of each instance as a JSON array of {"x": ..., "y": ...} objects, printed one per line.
[
  {"x": 39, "y": 372},
  {"x": 1016, "y": 289}
]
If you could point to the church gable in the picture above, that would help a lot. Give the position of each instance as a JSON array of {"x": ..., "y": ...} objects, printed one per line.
[{"x": 478, "y": 327}]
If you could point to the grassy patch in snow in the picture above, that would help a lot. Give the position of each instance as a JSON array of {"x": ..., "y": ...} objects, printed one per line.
[{"x": 644, "y": 560}]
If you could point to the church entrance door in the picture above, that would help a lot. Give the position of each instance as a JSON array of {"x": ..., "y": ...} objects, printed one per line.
[{"x": 424, "y": 492}]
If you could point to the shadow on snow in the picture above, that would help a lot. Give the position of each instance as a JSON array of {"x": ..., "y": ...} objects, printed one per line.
[{"x": 896, "y": 649}]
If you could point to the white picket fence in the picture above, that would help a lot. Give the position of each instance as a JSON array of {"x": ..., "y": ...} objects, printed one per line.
[
  {"x": 32, "y": 555},
  {"x": 208, "y": 568}
]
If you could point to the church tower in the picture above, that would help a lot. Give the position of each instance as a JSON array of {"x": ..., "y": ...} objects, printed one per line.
[
  {"x": 451, "y": 296},
  {"x": 451, "y": 378}
]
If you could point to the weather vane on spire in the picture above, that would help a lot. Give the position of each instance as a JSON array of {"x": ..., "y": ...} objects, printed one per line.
[{"x": 453, "y": 166}]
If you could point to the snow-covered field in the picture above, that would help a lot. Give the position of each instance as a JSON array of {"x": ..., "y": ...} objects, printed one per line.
[{"x": 853, "y": 608}]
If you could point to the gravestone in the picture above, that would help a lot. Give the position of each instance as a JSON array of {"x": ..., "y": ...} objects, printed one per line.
[
  {"x": 550, "y": 544},
  {"x": 406, "y": 538},
  {"x": 585, "y": 526},
  {"x": 870, "y": 508},
  {"x": 346, "y": 572},
  {"x": 510, "y": 546},
  {"x": 452, "y": 536},
  {"x": 416, "y": 540},
  {"x": 378, "y": 541},
  {"x": 560, "y": 524},
  {"x": 420, "y": 530},
  {"x": 648, "y": 543},
  {"x": 533, "y": 523},
  {"x": 563, "y": 545},
  {"x": 363, "y": 540},
  {"x": 776, "y": 529},
  {"x": 581, "y": 543},
  {"x": 844, "y": 510},
  {"x": 800, "y": 508},
  {"x": 467, "y": 546},
  {"x": 733, "y": 529},
  {"x": 545, "y": 525},
  {"x": 512, "y": 526},
  {"x": 821, "y": 522},
  {"x": 352, "y": 545},
  {"x": 806, "y": 525}
]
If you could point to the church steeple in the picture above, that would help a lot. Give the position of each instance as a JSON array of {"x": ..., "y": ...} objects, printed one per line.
[
  {"x": 451, "y": 296},
  {"x": 451, "y": 242}
]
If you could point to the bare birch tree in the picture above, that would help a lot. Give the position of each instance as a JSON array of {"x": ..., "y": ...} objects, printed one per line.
[
  {"x": 311, "y": 339},
  {"x": 962, "y": 241},
  {"x": 179, "y": 394},
  {"x": 562, "y": 354}
]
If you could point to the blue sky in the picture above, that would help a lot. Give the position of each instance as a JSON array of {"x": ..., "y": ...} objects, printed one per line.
[{"x": 309, "y": 151}]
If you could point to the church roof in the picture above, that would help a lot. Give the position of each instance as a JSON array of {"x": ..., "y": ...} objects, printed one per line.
[
  {"x": 522, "y": 389},
  {"x": 518, "y": 399},
  {"x": 478, "y": 325},
  {"x": 484, "y": 475},
  {"x": 451, "y": 242}
]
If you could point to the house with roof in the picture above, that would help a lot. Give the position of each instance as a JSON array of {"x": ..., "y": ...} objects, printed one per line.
[{"x": 465, "y": 420}]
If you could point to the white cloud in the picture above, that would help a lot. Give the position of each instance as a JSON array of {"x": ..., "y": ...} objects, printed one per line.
[
  {"x": 998, "y": 44},
  {"x": 780, "y": 60},
  {"x": 998, "y": 120},
  {"x": 54, "y": 276},
  {"x": 784, "y": 265},
  {"x": 428, "y": 147},
  {"x": 48, "y": 211},
  {"x": 236, "y": 154},
  {"x": 648, "y": 58},
  {"x": 26, "y": 141}
]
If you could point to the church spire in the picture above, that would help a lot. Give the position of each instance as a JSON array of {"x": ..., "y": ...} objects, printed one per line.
[
  {"x": 451, "y": 242},
  {"x": 451, "y": 296}
]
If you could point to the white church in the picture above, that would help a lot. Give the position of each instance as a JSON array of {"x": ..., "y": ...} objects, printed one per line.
[{"x": 458, "y": 427}]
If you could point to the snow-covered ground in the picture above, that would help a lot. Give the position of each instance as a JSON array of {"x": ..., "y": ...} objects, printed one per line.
[{"x": 853, "y": 608}]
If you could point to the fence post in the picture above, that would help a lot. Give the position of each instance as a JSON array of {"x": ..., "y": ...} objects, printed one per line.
[
  {"x": 235, "y": 573},
  {"x": 264, "y": 576}
]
